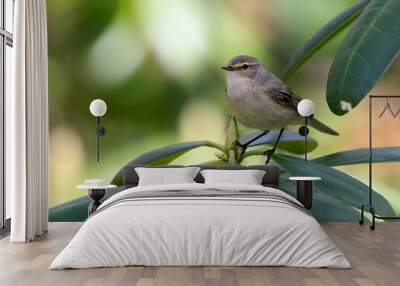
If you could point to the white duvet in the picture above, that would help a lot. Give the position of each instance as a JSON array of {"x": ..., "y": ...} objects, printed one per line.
[{"x": 200, "y": 231}]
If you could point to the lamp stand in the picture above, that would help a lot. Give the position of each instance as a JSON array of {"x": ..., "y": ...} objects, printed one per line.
[
  {"x": 305, "y": 138},
  {"x": 303, "y": 131},
  {"x": 100, "y": 131}
]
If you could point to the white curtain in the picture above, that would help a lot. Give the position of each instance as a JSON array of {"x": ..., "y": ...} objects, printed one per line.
[{"x": 27, "y": 124}]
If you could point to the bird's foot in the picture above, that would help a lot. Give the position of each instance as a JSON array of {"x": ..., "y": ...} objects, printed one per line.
[
  {"x": 269, "y": 154},
  {"x": 244, "y": 146},
  {"x": 241, "y": 148}
]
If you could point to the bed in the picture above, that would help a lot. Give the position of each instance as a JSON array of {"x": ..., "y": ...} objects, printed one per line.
[{"x": 201, "y": 224}]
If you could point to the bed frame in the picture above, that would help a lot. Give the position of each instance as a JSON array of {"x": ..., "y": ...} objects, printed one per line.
[{"x": 270, "y": 179}]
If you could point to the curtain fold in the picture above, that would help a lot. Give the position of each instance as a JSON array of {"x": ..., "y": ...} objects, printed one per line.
[{"x": 27, "y": 124}]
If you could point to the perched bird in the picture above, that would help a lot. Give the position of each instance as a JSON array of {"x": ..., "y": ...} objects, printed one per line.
[{"x": 258, "y": 99}]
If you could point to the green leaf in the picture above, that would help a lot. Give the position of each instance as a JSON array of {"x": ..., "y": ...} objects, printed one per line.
[
  {"x": 74, "y": 210},
  {"x": 165, "y": 155},
  {"x": 360, "y": 156},
  {"x": 290, "y": 141},
  {"x": 335, "y": 183},
  {"x": 323, "y": 36},
  {"x": 325, "y": 208},
  {"x": 367, "y": 51},
  {"x": 77, "y": 209}
]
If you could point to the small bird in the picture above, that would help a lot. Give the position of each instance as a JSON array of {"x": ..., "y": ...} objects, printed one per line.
[{"x": 259, "y": 99}]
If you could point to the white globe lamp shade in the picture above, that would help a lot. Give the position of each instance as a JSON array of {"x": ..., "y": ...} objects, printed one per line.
[
  {"x": 306, "y": 108},
  {"x": 98, "y": 107}
]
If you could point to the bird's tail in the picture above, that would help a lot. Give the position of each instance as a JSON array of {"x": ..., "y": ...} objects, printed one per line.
[{"x": 322, "y": 127}]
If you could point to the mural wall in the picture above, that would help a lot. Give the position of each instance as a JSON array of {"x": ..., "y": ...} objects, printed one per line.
[{"x": 157, "y": 65}]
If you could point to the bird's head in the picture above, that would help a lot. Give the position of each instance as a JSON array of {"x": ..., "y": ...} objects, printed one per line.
[{"x": 244, "y": 66}]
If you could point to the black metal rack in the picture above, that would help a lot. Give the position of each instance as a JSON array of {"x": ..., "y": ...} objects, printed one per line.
[{"x": 370, "y": 206}]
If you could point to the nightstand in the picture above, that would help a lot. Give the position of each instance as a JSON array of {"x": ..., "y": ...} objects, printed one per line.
[
  {"x": 96, "y": 193},
  {"x": 305, "y": 190}
]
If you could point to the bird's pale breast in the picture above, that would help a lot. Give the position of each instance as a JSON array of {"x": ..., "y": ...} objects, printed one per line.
[{"x": 254, "y": 108}]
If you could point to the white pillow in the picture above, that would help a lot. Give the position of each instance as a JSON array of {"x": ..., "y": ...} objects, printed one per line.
[
  {"x": 247, "y": 177},
  {"x": 165, "y": 176}
]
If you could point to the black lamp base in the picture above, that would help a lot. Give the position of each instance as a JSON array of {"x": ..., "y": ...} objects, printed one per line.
[
  {"x": 96, "y": 195},
  {"x": 305, "y": 193}
]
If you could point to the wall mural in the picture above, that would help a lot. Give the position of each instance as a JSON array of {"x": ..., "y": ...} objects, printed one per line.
[{"x": 157, "y": 65}]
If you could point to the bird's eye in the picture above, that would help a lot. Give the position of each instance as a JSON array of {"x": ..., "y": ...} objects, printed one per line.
[{"x": 245, "y": 66}]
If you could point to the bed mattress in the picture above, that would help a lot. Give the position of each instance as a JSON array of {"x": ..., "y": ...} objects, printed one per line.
[{"x": 201, "y": 225}]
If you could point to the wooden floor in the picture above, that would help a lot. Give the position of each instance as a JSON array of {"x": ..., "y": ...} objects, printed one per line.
[{"x": 375, "y": 257}]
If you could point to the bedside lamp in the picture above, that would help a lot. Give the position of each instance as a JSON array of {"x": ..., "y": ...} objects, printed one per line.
[
  {"x": 98, "y": 108},
  {"x": 306, "y": 109}
]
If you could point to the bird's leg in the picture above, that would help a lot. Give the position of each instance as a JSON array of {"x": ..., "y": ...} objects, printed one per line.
[
  {"x": 271, "y": 152},
  {"x": 245, "y": 145},
  {"x": 242, "y": 147}
]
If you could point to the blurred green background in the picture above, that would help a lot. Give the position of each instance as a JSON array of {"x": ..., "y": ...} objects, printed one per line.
[{"x": 157, "y": 66}]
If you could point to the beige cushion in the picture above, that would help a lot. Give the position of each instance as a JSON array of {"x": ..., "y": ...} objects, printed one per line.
[
  {"x": 246, "y": 177},
  {"x": 162, "y": 176}
]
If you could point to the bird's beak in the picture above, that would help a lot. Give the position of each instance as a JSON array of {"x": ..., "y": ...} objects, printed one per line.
[{"x": 227, "y": 68}]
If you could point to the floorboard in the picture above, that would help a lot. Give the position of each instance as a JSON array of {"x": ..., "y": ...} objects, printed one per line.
[{"x": 374, "y": 255}]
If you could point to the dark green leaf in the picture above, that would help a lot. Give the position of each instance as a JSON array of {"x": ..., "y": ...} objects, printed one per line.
[
  {"x": 369, "y": 48},
  {"x": 360, "y": 156},
  {"x": 335, "y": 183},
  {"x": 290, "y": 141},
  {"x": 163, "y": 156},
  {"x": 323, "y": 36},
  {"x": 325, "y": 208},
  {"x": 76, "y": 210}
]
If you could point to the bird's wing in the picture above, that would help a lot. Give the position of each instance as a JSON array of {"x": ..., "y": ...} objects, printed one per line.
[
  {"x": 279, "y": 91},
  {"x": 284, "y": 97}
]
